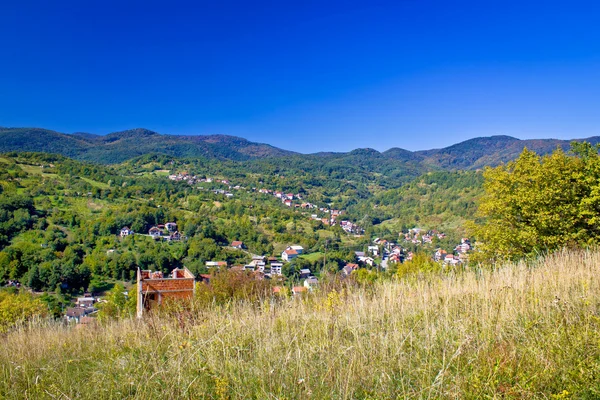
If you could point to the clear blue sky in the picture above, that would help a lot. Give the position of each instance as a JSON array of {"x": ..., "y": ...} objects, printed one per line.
[{"x": 304, "y": 75}]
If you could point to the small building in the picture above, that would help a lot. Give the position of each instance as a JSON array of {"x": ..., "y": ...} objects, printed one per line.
[
  {"x": 305, "y": 273},
  {"x": 176, "y": 236},
  {"x": 216, "y": 264},
  {"x": 85, "y": 302},
  {"x": 311, "y": 283},
  {"x": 171, "y": 226},
  {"x": 153, "y": 288},
  {"x": 125, "y": 231},
  {"x": 373, "y": 250},
  {"x": 155, "y": 232},
  {"x": 276, "y": 268},
  {"x": 298, "y": 290},
  {"x": 289, "y": 254},
  {"x": 299, "y": 249},
  {"x": 348, "y": 268},
  {"x": 74, "y": 314},
  {"x": 237, "y": 244}
]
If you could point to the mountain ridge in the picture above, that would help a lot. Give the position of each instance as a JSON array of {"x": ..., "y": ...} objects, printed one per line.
[{"x": 121, "y": 146}]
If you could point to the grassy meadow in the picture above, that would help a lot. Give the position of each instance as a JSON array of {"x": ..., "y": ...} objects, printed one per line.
[{"x": 520, "y": 331}]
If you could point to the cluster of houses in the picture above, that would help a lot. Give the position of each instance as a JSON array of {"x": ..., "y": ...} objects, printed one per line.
[
  {"x": 331, "y": 220},
  {"x": 352, "y": 228},
  {"x": 167, "y": 232},
  {"x": 193, "y": 179},
  {"x": 286, "y": 198},
  {"x": 84, "y": 307},
  {"x": 267, "y": 267},
  {"x": 270, "y": 268},
  {"x": 420, "y": 236},
  {"x": 390, "y": 251},
  {"x": 460, "y": 257}
]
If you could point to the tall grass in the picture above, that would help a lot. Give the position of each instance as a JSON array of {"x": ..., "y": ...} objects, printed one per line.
[{"x": 521, "y": 331}]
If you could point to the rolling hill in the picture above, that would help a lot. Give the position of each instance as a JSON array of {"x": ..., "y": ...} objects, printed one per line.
[{"x": 121, "y": 146}]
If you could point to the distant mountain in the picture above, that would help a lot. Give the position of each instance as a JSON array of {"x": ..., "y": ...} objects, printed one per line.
[
  {"x": 125, "y": 145},
  {"x": 121, "y": 146},
  {"x": 490, "y": 151}
]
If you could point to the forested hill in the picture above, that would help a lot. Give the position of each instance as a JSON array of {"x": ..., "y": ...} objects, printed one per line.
[
  {"x": 491, "y": 151},
  {"x": 121, "y": 146}
]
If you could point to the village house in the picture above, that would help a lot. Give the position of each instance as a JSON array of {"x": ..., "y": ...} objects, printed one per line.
[
  {"x": 374, "y": 250},
  {"x": 299, "y": 249},
  {"x": 236, "y": 244},
  {"x": 155, "y": 232},
  {"x": 154, "y": 289},
  {"x": 171, "y": 226},
  {"x": 366, "y": 260},
  {"x": 276, "y": 268},
  {"x": 348, "y": 268},
  {"x": 289, "y": 254},
  {"x": 311, "y": 283},
  {"x": 439, "y": 255},
  {"x": 216, "y": 263},
  {"x": 125, "y": 231},
  {"x": 305, "y": 273},
  {"x": 85, "y": 302},
  {"x": 175, "y": 236},
  {"x": 74, "y": 314},
  {"x": 298, "y": 290}
]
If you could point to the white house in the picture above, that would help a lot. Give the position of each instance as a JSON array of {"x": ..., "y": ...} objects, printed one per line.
[
  {"x": 126, "y": 231},
  {"x": 155, "y": 232},
  {"x": 289, "y": 254},
  {"x": 276, "y": 268},
  {"x": 311, "y": 282},
  {"x": 373, "y": 250},
  {"x": 299, "y": 249}
]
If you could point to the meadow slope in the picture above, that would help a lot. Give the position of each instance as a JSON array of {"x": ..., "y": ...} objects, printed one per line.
[{"x": 520, "y": 331}]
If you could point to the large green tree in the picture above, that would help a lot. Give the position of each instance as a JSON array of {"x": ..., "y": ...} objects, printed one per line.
[{"x": 538, "y": 204}]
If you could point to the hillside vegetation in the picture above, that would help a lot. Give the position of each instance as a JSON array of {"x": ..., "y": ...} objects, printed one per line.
[
  {"x": 519, "y": 331},
  {"x": 118, "y": 147}
]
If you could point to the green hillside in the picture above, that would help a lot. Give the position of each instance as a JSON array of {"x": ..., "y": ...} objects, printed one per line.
[{"x": 118, "y": 147}]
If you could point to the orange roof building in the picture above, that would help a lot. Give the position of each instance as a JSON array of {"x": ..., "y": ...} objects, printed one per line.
[{"x": 153, "y": 288}]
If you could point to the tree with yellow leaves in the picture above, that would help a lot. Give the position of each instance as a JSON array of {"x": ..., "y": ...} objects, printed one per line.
[{"x": 538, "y": 204}]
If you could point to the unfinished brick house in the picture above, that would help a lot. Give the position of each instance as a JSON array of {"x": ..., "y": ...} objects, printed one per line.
[{"x": 154, "y": 288}]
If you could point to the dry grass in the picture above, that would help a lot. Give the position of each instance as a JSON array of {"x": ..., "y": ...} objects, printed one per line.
[{"x": 522, "y": 331}]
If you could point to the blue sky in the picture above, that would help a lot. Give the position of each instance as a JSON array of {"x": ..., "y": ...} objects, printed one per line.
[{"x": 305, "y": 75}]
